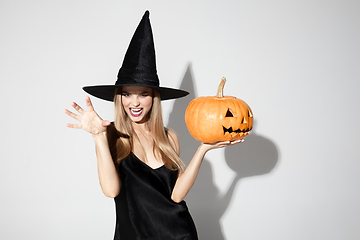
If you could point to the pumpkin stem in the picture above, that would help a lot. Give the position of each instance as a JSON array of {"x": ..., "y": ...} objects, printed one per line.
[{"x": 220, "y": 92}]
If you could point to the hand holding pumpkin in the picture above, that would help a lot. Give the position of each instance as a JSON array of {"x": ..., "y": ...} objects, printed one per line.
[
  {"x": 210, "y": 146},
  {"x": 218, "y": 118}
]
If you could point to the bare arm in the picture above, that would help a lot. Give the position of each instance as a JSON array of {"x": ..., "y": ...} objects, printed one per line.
[
  {"x": 187, "y": 178},
  {"x": 91, "y": 122},
  {"x": 108, "y": 175}
]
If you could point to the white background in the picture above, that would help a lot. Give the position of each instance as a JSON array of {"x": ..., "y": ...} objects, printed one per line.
[{"x": 296, "y": 63}]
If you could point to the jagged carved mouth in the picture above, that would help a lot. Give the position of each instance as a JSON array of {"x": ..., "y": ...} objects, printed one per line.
[{"x": 230, "y": 130}]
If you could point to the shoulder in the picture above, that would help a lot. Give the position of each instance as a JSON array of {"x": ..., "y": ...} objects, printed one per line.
[
  {"x": 173, "y": 139},
  {"x": 171, "y": 132}
]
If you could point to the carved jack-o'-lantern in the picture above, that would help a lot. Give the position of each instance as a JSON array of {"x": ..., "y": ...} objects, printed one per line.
[{"x": 218, "y": 118}]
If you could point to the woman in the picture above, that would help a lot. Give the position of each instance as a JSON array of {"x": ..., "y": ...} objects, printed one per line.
[{"x": 138, "y": 158}]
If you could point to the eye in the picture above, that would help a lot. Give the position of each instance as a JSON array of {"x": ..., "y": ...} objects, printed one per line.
[{"x": 230, "y": 113}]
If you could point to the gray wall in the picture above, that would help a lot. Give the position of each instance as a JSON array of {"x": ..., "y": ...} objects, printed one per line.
[{"x": 296, "y": 63}]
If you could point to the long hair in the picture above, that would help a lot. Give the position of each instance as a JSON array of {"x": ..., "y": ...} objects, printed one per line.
[{"x": 121, "y": 135}]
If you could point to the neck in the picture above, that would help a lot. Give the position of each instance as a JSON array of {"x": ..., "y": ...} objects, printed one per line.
[{"x": 141, "y": 127}]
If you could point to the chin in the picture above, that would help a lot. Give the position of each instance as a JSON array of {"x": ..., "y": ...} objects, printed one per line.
[{"x": 139, "y": 119}]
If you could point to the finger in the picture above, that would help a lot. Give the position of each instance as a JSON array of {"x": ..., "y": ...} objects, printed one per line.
[
  {"x": 222, "y": 144},
  {"x": 77, "y": 126},
  {"x": 78, "y": 108},
  {"x": 89, "y": 104},
  {"x": 105, "y": 123},
  {"x": 73, "y": 115},
  {"x": 237, "y": 141}
]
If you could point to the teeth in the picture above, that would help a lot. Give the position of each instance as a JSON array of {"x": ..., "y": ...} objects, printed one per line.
[{"x": 136, "y": 111}]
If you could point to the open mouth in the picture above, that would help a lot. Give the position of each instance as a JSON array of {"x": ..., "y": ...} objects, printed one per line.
[
  {"x": 135, "y": 112},
  {"x": 237, "y": 131}
]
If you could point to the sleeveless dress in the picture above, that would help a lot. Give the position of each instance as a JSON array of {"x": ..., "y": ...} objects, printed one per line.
[{"x": 144, "y": 209}]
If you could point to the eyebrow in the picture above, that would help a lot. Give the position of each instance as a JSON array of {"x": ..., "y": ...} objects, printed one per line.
[{"x": 144, "y": 92}]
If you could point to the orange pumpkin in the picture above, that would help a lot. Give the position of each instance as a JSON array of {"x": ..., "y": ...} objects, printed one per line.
[{"x": 218, "y": 118}]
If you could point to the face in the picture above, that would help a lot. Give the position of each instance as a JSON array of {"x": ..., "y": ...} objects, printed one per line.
[{"x": 137, "y": 102}]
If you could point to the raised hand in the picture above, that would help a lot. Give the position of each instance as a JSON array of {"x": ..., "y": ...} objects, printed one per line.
[{"x": 90, "y": 121}]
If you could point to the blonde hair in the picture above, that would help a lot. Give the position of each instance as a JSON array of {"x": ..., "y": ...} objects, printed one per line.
[{"x": 121, "y": 134}]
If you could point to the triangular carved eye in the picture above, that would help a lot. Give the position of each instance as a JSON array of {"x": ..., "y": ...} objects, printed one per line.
[
  {"x": 229, "y": 113},
  {"x": 250, "y": 113}
]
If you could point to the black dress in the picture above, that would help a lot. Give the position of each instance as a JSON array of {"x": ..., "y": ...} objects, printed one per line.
[{"x": 144, "y": 209}]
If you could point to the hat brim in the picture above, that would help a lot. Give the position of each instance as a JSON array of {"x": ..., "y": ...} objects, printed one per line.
[{"x": 107, "y": 92}]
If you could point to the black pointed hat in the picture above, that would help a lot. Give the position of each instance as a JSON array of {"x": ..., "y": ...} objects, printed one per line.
[{"x": 138, "y": 68}]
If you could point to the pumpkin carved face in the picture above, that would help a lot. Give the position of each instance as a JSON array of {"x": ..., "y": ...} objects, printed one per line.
[{"x": 218, "y": 118}]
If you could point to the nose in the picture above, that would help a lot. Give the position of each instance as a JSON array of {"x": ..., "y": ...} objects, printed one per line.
[{"x": 136, "y": 101}]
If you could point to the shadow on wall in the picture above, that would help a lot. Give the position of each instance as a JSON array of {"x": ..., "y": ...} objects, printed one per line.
[{"x": 256, "y": 156}]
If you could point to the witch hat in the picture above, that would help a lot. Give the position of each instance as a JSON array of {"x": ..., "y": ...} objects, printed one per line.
[{"x": 138, "y": 68}]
